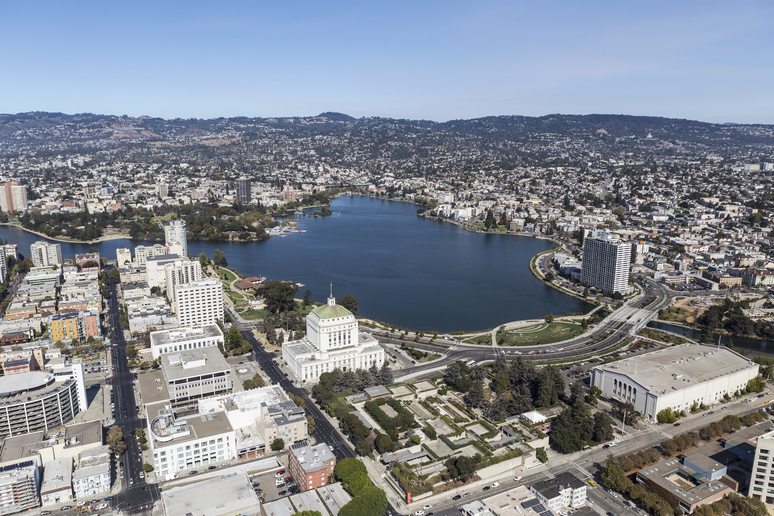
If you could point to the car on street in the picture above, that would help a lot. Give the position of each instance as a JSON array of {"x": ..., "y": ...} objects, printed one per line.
[
  {"x": 212, "y": 467},
  {"x": 466, "y": 494},
  {"x": 456, "y": 497},
  {"x": 592, "y": 483},
  {"x": 496, "y": 484},
  {"x": 487, "y": 488},
  {"x": 194, "y": 472},
  {"x": 66, "y": 508},
  {"x": 427, "y": 507}
]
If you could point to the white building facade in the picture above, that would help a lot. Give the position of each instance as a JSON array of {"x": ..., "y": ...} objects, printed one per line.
[
  {"x": 199, "y": 303},
  {"x": 175, "y": 236},
  {"x": 332, "y": 342},
  {"x": 675, "y": 378},
  {"x": 45, "y": 254},
  {"x": 606, "y": 263},
  {"x": 183, "y": 339},
  {"x": 762, "y": 480}
]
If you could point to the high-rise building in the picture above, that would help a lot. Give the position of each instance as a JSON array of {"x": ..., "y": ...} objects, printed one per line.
[
  {"x": 175, "y": 238},
  {"x": 142, "y": 252},
  {"x": 243, "y": 190},
  {"x": 123, "y": 256},
  {"x": 46, "y": 254},
  {"x": 162, "y": 189},
  {"x": 606, "y": 263},
  {"x": 13, "y": 197},
  {"x": 199, "y": 303},
  {"x": 181, "y": 272},
  {"x": 762, "y": 481}
]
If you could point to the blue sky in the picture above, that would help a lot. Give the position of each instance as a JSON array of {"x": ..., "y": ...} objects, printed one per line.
[{"x": 704, "y": 60}]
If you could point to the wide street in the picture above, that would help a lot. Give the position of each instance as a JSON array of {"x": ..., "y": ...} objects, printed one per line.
[{"x": 136, "y": 495}]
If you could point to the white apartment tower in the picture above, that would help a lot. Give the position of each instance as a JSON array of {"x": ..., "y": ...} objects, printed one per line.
[
  {"x": 45, "y": 254},
  {"x": 175, "y": 238},
  {"x": 762, "y": 480},
  {"x": 199, "y": 303},
  {"x": 181, "y": 272},
  {"x": 123, "y": 256},
  {"x": 606, "y": 262}
]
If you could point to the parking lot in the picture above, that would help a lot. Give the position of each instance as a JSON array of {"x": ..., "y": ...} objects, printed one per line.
[{"x": 267, "y": 488}]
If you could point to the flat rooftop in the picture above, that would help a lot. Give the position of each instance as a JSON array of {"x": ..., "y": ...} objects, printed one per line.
[
  {"x": 221, "y": 496},
  {"x": 681, "y": 482},
  {"x": 57, "y": 475},
  {"x": 183, "y": 364},
  {"x": 163, "y": 337},
  {"x": 151, "y": 390},
  {"x": 679, "y": 366},
  {"x": 17, "y": 383}
]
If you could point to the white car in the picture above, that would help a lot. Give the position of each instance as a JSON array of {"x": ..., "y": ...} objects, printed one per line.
[
  {"x": 496, "y": 484},
  {"x": 419, "y": 513},
  {"x": 427, "y": 507}
]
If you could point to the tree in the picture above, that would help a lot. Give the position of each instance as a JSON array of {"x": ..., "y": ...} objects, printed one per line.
[
  {"x": 384, "y": 443},
  {"x": 541, "y": 454},
  {"x": 371, "y": 501},
  {"x": 310, "y": 425},
  {"x": 385, "y": 374},
  {"x": 475, "y": 396},
  {"x": 203, "y": 260},
  {"x": 350, "y": 303},
  {"x": 147, "y": 467},
  {"x": 277, "y": 444},
  {"x": 115, "y": 439},
  {"x": 666, "y": 415},
  {"x": 279, "y": 296},
  {"x": 307, "y": 300},
  {"x": 308, "y": 513},
  {"x": 219, "y": 258},
  {"x": 490, "y": 221},
  {"x": 550, "y": 318}
]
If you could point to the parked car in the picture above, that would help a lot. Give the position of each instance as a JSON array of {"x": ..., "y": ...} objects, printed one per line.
[
  {"x": 456, "y": 497},
  {"x": 427, "y": 507}
]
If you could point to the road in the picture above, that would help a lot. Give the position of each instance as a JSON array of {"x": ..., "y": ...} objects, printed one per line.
[
  {"x": 324, "y": 431},
  {"x": 136, "y": 495}
]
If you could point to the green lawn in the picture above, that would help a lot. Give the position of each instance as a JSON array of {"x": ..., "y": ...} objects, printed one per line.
[
  {"x": 225, "y": 273},
  {"x": 542, "y": 333}
]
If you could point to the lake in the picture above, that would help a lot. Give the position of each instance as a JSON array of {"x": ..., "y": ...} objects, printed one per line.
[{"x": 415, "y": 273}]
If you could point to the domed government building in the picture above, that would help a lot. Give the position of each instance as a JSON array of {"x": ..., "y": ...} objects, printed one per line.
[{"x": 333, "y": 341}]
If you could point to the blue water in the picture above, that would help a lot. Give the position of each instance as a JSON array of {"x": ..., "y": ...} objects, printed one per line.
[{"x": 404, "y": 270}]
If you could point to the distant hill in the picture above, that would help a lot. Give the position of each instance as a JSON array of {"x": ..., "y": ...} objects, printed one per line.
[{"x": 37, "y": 127}]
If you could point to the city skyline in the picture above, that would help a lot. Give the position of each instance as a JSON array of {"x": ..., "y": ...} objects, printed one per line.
[{"x": 431, "y": 61}]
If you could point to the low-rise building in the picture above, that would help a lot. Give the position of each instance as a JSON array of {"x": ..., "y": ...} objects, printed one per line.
[
  {"x": 310, "y": 466},
  {"x": 675, "y": 377},
  {"x": 194, "y": 374},
  {"x": 184, "y": 339},
  {"x": 180, "y": 444},
  {"x": 93, "y": 475},
  {"x": 57, "y": 485},
  {"x": 227, "y": 495},
  {"x": 686, "y": 483},
  {"x": 564, "y": 490}
]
